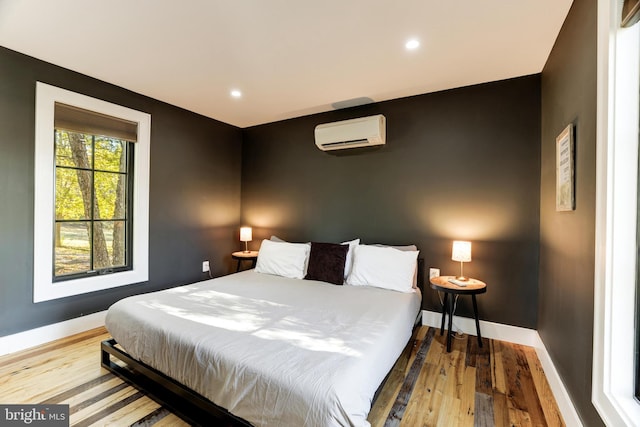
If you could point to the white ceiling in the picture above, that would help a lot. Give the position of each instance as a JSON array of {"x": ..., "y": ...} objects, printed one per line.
[{"x": 289, "y": 58}]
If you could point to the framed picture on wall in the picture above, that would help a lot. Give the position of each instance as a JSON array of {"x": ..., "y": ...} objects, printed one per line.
[{"x": 565, "y": 147}]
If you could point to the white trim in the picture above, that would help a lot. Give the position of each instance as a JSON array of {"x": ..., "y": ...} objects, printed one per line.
[
  {"x": 516, "y": 335},
  {"x": 616, "y": 210},
  {"x": 34, "y": 337},
  {"x": 495, "y": 331},
  {"x": 43, "y": 286},
  {"x": 565, "y": 405}
]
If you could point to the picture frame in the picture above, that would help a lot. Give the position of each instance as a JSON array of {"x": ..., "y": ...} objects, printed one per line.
[{"x": 565, "y": 170}]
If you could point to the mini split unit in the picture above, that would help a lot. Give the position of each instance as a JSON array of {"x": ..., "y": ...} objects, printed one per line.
[{"x": 354, "y": 133}]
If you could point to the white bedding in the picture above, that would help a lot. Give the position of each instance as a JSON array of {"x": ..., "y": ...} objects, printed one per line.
[{"x": 271, "y": 350}]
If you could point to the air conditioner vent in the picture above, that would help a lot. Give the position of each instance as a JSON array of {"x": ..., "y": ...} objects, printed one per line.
[{"x": 353, "y": 133}]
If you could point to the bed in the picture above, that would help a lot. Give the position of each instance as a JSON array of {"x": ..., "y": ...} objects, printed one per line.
[{"x": 270, "y": 350}]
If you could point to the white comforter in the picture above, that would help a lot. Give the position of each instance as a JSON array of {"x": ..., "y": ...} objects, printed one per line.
[{"x": 271, "y": 350}]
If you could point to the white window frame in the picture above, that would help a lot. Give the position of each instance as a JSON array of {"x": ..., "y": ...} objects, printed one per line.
[
  {"x": 44, "y": 288},
  {"x": 616, "y": 209}
]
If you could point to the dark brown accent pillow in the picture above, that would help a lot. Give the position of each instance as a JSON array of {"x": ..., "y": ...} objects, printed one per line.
[{"x": 326, "y": 262}]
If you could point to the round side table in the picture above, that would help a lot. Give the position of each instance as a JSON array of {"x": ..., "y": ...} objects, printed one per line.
[
  {"x": 245, "y": 256},
  {"x": 473, "y": 287}
]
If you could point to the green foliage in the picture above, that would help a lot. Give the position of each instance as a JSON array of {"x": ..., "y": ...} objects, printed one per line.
[
  {"x": 110, "y": 157},
  {"x": 69, "y": 203},
  {"x": 82, "y": 162}
]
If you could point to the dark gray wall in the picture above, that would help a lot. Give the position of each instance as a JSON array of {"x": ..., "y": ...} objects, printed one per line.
[
  {"x": 194, "y": 193},
  {"x": 567, "y": 239},
  {"x": 458, "y": 164}
]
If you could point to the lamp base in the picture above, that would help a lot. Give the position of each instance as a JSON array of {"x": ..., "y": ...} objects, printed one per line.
[{"x": 462, "y": 278}]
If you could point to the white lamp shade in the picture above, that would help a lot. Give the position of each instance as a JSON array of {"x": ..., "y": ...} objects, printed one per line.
[
  {"x": 461, "y": 251},
  {"x": 245, "y": 234}
]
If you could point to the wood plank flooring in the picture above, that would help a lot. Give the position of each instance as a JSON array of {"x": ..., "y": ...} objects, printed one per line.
[{"x": 500, "y": 384}]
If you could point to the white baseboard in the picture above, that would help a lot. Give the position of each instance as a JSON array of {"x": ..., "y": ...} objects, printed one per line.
[
  {"x": 565, "y": 405},
  {"x": 44, "y": 334},
  {"x": 495, "y": 331},
  {"x": 517, "y": 335}
]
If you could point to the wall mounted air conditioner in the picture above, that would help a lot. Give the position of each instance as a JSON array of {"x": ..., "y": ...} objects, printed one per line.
[{"x": 354, "y": 133}]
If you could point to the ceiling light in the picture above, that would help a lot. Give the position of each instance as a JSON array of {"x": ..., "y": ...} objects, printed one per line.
[
  {"x": 236, "y": 93},
  {"x": 412, "y": 44}
]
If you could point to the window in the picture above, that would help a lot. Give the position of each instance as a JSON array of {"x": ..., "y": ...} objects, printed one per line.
[
  {"x": 92, "y": 208},
  {"x": 630, "y": 16},
  {"x": 614, "y": 340},
  {"x": 91, "y": 194}
]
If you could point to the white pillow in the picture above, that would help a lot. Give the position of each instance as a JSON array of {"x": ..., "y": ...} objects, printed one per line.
[
  {"x": 406, "y": 248},
  {"x": 383, "y": 267},
  {"x": 283, "y": 259},
  {"x": 349, "y": 260}
]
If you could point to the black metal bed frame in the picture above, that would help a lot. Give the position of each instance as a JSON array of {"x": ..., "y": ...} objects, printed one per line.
[{"x": 192, "y": 407}]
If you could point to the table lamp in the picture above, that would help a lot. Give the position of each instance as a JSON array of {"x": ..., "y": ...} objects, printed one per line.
[
  {"x": 245, "y": 236},
  {"x": 461, "y": 252}
]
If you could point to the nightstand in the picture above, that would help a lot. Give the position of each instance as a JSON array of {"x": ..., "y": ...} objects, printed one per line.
[
  {"x": 245, "y": 256},
  {"x": 472, "y": 287}
]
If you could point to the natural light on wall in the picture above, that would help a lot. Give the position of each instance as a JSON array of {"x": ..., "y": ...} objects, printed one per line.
[{"x": 616, "y": 216}]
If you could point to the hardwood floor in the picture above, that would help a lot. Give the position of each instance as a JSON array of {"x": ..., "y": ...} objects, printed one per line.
[{"x": 500, "y": 384}]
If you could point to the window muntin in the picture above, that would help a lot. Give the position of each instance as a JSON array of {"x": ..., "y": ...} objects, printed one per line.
[{"x": 93, "y": 209}]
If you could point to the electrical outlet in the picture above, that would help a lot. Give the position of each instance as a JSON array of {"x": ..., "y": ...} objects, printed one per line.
[
  {"x": 434, "y": 272},
  {"x": 205, "y": 266}
]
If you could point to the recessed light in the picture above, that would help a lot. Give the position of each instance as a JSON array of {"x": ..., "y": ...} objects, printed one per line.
[
  {"x": 412, "y": 44},
  {"x": 236, "y": 93}
]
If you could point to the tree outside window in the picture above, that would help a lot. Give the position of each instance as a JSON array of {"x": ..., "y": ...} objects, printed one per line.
[{"x": 92, "y": 211}]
